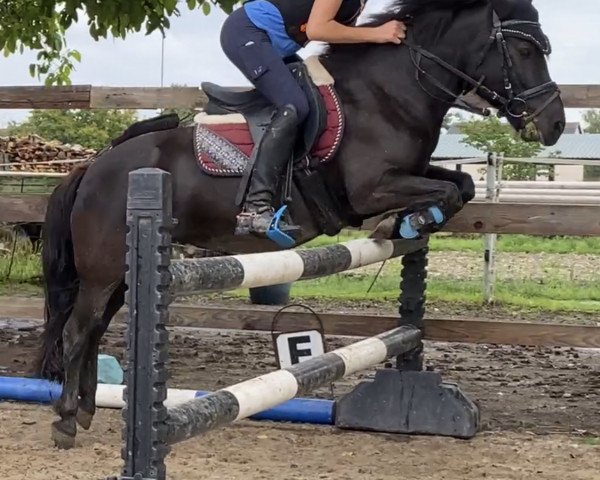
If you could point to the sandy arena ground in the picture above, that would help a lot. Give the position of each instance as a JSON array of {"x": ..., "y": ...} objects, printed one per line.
[{"x": 540, "y": 419}]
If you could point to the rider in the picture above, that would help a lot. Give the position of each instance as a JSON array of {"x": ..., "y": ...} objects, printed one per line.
[{"x": 257, "y": 38}]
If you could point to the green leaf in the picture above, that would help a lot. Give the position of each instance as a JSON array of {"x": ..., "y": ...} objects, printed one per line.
[
  {"x": 76, "y": 55},
  {"x": 41, "y": 25},
  {"x": 592, "y": 120},
  {"x": 170, "y": 5}
]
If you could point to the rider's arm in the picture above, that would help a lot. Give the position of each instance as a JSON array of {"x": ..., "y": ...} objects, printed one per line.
[{"x": 322, "y": 27}]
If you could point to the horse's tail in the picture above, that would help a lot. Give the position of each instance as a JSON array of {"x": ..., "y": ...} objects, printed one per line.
[{"x": 60, "y": 275}]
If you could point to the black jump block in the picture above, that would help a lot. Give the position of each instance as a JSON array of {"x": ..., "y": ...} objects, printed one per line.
[{"x": 408, "y": 402}]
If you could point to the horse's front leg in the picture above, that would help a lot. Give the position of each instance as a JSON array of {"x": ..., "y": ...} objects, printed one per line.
[
  {"x": 463, "y": 181},
  {"x": 410, "y": 205}
]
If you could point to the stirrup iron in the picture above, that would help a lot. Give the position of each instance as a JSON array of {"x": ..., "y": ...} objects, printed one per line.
[{"x": 277, "y": 235}]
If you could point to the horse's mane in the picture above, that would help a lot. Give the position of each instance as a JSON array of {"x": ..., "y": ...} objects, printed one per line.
[
  {"x": 435, "y": 17},
  {"x": 401, "y": 9}
]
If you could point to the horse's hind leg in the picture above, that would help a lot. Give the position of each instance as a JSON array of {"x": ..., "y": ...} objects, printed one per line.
[
  {"x": 85, "y": 318},
  {"x": 88, "y": 376}
]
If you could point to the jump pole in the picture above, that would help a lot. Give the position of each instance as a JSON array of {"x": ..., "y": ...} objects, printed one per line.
[
  {"x": 315, "y": 411},
  {"x": 267, "y": 391}
]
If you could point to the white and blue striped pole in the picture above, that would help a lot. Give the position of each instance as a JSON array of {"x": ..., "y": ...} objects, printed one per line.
[{"x": 34, "y": 390}]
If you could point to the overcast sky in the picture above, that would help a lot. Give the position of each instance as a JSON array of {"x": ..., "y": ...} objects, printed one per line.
[{"x": 193, "y": 53}]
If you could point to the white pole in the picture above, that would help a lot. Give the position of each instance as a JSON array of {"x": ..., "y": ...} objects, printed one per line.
[{"x": 491, "y": 195}]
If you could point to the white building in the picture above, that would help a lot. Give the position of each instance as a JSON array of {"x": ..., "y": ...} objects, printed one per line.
[{"x": 573, "y": 146}]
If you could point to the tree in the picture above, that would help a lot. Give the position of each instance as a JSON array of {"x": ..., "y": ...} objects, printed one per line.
[
  {"x": 452, "y": 118},
  {"x": 41, "y": 25},
  {"x": 493, "y": 136},
  {"x": 592, "y": 118},
  {"x": 88, "y": 128},
  {"x": 186, "y": 115}
]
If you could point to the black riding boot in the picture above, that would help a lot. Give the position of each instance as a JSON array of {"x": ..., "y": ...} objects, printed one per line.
[{"x": 273, "y": 155}]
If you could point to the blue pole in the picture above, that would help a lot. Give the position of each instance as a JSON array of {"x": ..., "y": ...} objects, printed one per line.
[
  {"x": 29, "y": 390},
  {"x": 297, "y": 410}
]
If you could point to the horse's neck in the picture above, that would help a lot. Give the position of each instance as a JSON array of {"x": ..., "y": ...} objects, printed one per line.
[
  {"x": 460, "y": 42},
  {"x": 391, "y": 71}
]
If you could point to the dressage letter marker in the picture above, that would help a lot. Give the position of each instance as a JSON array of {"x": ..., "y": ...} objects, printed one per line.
[{"x": 296, "y": 347}]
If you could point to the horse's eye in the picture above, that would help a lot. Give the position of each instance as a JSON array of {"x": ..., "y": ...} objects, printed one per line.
[{"x": 524, "y": 51}]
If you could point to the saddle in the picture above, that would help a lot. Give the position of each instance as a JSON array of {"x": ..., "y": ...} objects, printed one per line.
[
  {"x": 256, "y": 110},
  {"x": 234, "y": 120}
]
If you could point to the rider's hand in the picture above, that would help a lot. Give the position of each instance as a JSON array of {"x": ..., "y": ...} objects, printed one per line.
[{"x": 392, "y": 31}]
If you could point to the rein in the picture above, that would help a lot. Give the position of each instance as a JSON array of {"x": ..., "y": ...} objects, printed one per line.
[{"x": 511, "y": 104}]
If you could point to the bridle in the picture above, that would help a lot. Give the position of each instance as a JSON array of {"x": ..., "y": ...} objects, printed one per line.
[{"x": 508, "y": 104}]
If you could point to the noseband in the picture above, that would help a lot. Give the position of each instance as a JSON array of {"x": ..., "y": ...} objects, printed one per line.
[{"x": 510, "y": 104}]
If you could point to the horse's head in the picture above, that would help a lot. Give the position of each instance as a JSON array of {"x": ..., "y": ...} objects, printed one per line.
[
  {"x": 493, "y": 48},
  {"x": 515, "y": 74}
]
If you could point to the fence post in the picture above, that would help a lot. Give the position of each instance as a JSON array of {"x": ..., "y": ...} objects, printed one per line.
[
  {"x": 489, "y": 256},
  {"x": 149, "y": 218}
]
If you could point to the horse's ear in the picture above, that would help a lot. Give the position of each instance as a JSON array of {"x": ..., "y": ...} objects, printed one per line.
[
  {"x": 503, "y": 7},
  {"x": 523, "y": 9}
]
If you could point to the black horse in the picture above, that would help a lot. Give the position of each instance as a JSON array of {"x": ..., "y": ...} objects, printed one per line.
[{"x": 394, "y": 100}]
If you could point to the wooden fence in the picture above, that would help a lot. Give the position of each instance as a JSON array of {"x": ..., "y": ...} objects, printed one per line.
[
  {"x": 151, "y": 98},
  {"x": 438, "y": 329},
  {"x": 476, "y": 217}
]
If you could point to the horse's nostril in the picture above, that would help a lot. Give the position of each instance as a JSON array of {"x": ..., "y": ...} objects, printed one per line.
[{"x": 559, "y": 126}]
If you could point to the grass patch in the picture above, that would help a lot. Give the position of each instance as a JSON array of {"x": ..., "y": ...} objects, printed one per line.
[
  {"x": 343, "y": 236},
  {"x": 529, "y": 295},
  {"x": 20, "y": 263},
  {"x": 22, "y": 275},
  {"x": 518, "y": 244},
  {"x": 28, "y": 184},
  {"x": 24, "y": 268},
  {"x": 592, "y": 441},
  {"x": 553, "y": 296},
  {"x": 474, "y": 243}
]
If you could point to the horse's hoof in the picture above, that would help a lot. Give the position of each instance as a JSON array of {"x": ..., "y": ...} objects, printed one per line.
[
  {"x": 84, "y": 418},
  {"x": 64, "y": 438}
]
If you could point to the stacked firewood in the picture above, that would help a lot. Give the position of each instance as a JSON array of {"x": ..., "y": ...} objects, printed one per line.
[{"x": 34, "y": 154}]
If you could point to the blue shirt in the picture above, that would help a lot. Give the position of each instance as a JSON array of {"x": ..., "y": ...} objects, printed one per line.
[{"x": 267, "y": 17}]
